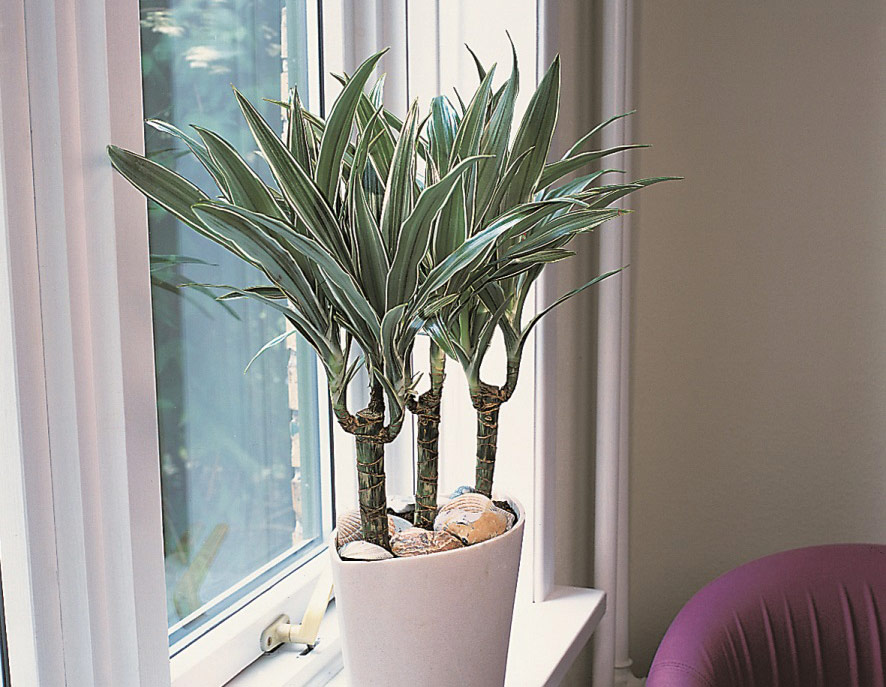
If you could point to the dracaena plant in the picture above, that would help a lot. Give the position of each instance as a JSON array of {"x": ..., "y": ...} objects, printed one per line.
[
  {"x": 375, "y": 229},
  {"x": 493, "y": 296},
  {"x": 340, "y": 237}
]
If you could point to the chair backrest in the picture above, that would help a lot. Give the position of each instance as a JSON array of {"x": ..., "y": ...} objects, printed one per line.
[{"x": 813, "y": 617}]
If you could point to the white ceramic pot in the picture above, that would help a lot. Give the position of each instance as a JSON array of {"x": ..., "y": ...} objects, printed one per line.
[{"x": 441, "y": 620}]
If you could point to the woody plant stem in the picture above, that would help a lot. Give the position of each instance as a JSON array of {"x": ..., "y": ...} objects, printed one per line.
[
  {"x": 427, "y": 409},
  {"x": 370, "y": 435}
]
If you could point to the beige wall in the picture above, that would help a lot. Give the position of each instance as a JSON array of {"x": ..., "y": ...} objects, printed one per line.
[{"x": 759, "y": 350}]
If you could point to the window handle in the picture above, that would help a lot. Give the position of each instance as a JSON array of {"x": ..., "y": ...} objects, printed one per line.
[{"x": 281, "y": 631}]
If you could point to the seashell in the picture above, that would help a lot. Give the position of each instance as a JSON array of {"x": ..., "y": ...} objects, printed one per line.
[
  {"x": 363, "y": 551},
  {"x": 401, "y": 504},
  {"x": 348, "y": 526},
  {"x": 473, "y": 518},
  {"x": 471, "y": 502},
  {"x": 399, "y": 523},
  {"x": 462, "y": 490},
  {"x": 418, "y": 542}
]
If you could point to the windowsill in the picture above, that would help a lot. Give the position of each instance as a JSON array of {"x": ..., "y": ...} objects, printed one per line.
[{"x": 545, "y": 640}]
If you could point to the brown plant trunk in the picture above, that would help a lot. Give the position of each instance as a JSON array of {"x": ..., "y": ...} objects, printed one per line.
[
  {"x": 487, "y": 401},
  {"x": 428, "y": 440},
  {"x": 368, "y": 431}
]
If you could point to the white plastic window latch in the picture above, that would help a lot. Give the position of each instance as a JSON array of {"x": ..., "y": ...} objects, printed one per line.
[{"x": 281, "y": 631}]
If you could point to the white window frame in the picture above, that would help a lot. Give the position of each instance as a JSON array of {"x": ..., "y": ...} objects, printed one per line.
[{"x": 80, "y": 515}]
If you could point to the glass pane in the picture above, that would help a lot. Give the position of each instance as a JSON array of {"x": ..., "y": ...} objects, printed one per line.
[{"x": 239, "y": 455}]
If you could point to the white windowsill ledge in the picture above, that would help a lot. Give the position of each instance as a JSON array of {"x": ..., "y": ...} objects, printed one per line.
[{"x": 546, "y": 637}]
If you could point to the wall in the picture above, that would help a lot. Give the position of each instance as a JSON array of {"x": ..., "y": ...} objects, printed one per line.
[{"x": 759, "y": 333}]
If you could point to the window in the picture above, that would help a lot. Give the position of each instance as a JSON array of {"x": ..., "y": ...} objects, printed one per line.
[
  {"x": 108, "y": 572},
  {"x": 239, "y": 451}
]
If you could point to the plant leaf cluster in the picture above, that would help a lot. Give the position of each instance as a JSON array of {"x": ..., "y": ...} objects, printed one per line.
[
  {"x": 514, "y": 180},
  {"x": 376, "y": 229}
]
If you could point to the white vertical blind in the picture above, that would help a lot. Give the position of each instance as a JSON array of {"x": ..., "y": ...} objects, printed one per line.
[{"x": 81, "y": 507}]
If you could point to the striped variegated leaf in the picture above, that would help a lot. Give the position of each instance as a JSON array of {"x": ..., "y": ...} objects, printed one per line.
[
  {"x": 337, "y": 131},
  {"x": 195, "y": 147},
  {"x": 557, "y": 170},
  {"x": 359, "y": 317},
  {"x": 399, "y": 187},
  {"x": 244, "y": 185},
  {"x": 415, "y": 234},
  {"x": 536, "y": 131},
  {"x": 300, "y": 191}
]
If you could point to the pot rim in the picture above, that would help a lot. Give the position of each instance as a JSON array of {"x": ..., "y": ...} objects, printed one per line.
[{"x": 438, "y": 556}]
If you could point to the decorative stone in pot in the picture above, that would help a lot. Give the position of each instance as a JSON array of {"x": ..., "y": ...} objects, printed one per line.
[
  {"x": 472, "y": 518},
  {"x": 442, "y": 619},
  {"x": 348, "y": 526},
  {"x": 418, "y": 542}
]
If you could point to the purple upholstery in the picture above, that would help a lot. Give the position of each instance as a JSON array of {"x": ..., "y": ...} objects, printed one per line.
[{"x": 812, "y": 617}]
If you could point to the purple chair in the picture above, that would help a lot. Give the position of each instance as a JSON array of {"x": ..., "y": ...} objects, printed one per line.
[{"x": 813, "y": 617}]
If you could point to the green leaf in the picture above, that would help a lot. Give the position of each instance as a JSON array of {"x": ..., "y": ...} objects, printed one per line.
[
  {"x": 523, "y": 263},
  {"x": 265, "y": 249},
  {"x": 584, "y": 139},
  {"x": 496, "y": 137},
  {"x": 300, "y": 191},
  {"x": 476, "y": 246},
  {"x": 558, "y": 170},
  {"x": 441, "y": 132},
  {"x": 376, "y": 95},
  {"x": 562, "y": 299},
  {"x": 381, "y": 152},
  {"x": 244, "y": 186},
  {"x": 272, "y": 292},
  {"x": 440, "y": 335},
  {"x": 545, "y": 235},
  {"x": 280, "y": 338},
  {"x": 535, "y": 132},
  {"x": 327, "y": 348},
  {"x": 518, "y": 222},
  {"x": 415, "y": 235},
  {"x": 172, "y": 192},
  {"x": 169, "y": 190},
  {"x": 470, "y": 128},
  {"x": 461, "y": 103},
  {"x": 481, "y": 71},
  {"x": 399, "y": 187},
  {"x": 619, "y": 192},
  {"x": 437, "y": 304},
  {"x": 483, "y": 339},
  {"x": 338, "y": 129},
  {"x": 576, "y": 185},
  {"x": 284, "y": 105},
  {"x": 503, "y": 185},
  {"x": 371, "y": 255},
  {"x": 361, "y": 318},
  {"x": 533, "y": 216},
  {"x": 390, "y": 324},
  {"x": 195, "y": 147},
  {"x": 452, "y": 226},
  {"x": 296, "y": 133},
  {"x": 163, "y": 262}
]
